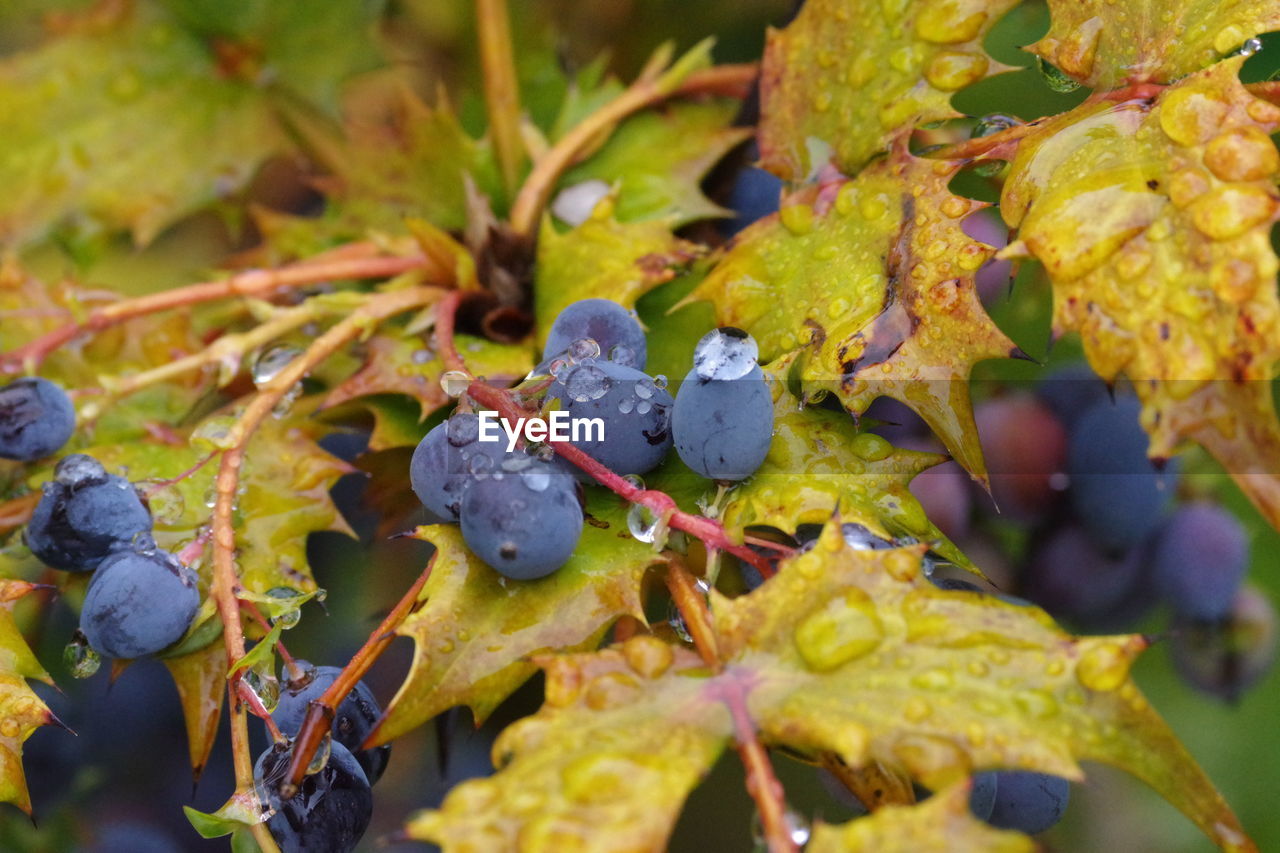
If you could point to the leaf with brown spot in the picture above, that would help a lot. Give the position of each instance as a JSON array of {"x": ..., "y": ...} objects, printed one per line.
[
  {"x": 868, "y": 285},
  {"x": 21, "y": 710},
  {"x": 1105, "y": 45},
  {"x": 846, "y": 76},
  {"x": 604, "y": 258},
  {"x": 940, "y": 824},
  {"x": 1153, "y": 221},
  {"x": 475, "y": 630}
]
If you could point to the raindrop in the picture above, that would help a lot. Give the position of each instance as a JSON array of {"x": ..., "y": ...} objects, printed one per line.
[
  {"x": 586, "y": 382},
  {"x": 214, "y": 434},
  {"x": 660, "y": 382},
  {"x": 285, "y": 404},
  {"x": 677, "y": 623},
  {"x": 797, "y": 828},
  {"x": 537, "y": 478},
  {"x": 1054, "y": 77},
  {"x": 264, "y": 685},
  {"x": 625, "y": 405},
  {"x": 81, "y": 660},
  {"x": 78, "y": 468},
  {"x": 462, "y": 428},
  {"x": 516, "y": 463},
  {"x": 575, "y": 204},
  {"x": 479, "y": 464},
  {"x": 993, "y": 123},
  {"x": 321, "y": 757},
  {"x": 421, "y": 356},
  {"x": 584, "y": 349},
  {"x": 860, "y": 538},
  {"x": 622, "y": 354},
  {"x": 558, "y": 367},
  {"x": 644, "y": 388},
  {"x": 1248, "y": 48},
  {"x": 646, "y": 526},
  {"x": 725, "y": 353},
  {"x": 454, "y": 382},
  {"x": 269, "y": 363},
  {"x": 643, "y": 407},
  {"x": 165, "y": 500}
]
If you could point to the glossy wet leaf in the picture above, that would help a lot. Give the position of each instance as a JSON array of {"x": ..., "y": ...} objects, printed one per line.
[
  {"x": 607, "y": 259},
  {"x": 474, "y": 631},
  {"x": 657, "y": 160},
  {"x": 21, "y": 710},
  {"x": 940, "y": 824},
  {"x": 125, "y": 119},
  {"x": 846, "y": 76},
  {"x": 1153, "y": 220},
  {"x": 200, "y": 677},
  {"x": 857, "y": 653},
  {"x": 606, "y": 764},
  {"x": 868, "y": 284},
  {"x": 1105, "y": 45},
  {"x": 819, "y": 462},
  {"x": 408, "y": 365}
]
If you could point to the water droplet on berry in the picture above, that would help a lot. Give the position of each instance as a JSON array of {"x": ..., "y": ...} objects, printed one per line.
[
  {"x": 622, "y": 354},
  {"x": 583, "y": 349},
  {"x": 725, "y": 353},
  {"x": 586, "y": 382},
  {"x": 78, "y": 468},
  {"x": 462, "y": 429}
]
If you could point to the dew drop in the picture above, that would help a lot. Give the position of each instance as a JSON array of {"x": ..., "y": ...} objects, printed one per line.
[
  {"x": 993, "y": 123},
  {"x": 725, "y": 353},
  {"x": 575, "y": 204},
  {"x": 626, "y": 405},
  {"x": 586, "y": 382},
  {"x": 421, "y": 356},
  {"x": 537, "y": 478},
  {"x": 1104, "y": 667},
  {"x": 78, "y": 468},
  {"x": 660, "y": 382},
  {"x": 622, "y": 354},
  {"x": 462, "y": 429},
  {"x": 1055, "y": 78},
  {"x": 214, "y": 434},
  {"x": 455, "y": 382},
  {"x": 321, "y": 758},
  {"x": 264, "y": 685},
  {"x": 677, "y": 623},
  {"x": 269, "y": 362},
  {"x": 646, "y": 526},
  {"x": 583, "y": 350},
  {"x": 845, "y": 629},
  {"x": 798, "y": 830},
  {"x": 81, "y": 660},
  {"x": 643, "y": 407}
]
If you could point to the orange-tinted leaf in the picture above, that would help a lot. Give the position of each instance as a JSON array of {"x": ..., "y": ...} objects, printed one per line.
[
  {"x": 869, "y": 285},
  {"x": 606, "y": 764},
  {"x": 1104, "y": 44},
  {"x": 475, "y": 630},
  {"x": 941, "y": 824},
  {"x": 846, "y": 76},
  {"x": 21, "y": 710},
  {"x": 1153, "y": 220},
  {"x": 201, "y": 681}
]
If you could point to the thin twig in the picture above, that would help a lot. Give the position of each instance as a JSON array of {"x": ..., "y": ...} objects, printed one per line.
[
  {"x": 344, "y": 265},
  {"x": 501, "y": 87},
  {"x": 537, "y": 187},
  {"x": 319, "y": 717}
]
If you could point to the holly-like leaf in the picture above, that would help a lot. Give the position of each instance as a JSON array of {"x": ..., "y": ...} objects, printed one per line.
[
  {"x": 127, "y": 119},
  {"x": 940, "y": 824},
  {"x": 868, "y": 284},
  {"x": 819, "y": 462},
  {"x": 1153, "y": 221},
  {"x": 604, "y": 258},
  {"x": 846, "y": 76},
  {"x": 21, "y": 710},
  {"x": 200, "y": 677},
  {"x": 606, "y": 764},
  {"x": 475, "y": 630},
  {"x": 400, "y": 363},
  {"x": 1107, "y": 45},
  {"x": 657, "y": 160}
]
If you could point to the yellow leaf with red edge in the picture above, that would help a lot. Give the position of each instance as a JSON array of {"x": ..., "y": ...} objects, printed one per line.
[
  {"x": 1105, "y": 45},
  {"x": 868, "y": 284},
  {"x": 1153, "y": 220},
  {"x": 819, "y": 462},
  {"x": 846, "y": 76},
  {"x": 475, "y": 630},
  {"x": 624, "y": 736},
  {"x": 940, "y": 824},
  {"x": 21, "y": 710}
]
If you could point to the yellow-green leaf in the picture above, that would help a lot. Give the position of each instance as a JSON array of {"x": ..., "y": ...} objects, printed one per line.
[
  {"x": 869, "y": 285},
  {"x": 846, "y": 76},
  {"x": 604, "y": 258},
  {"x": 475, "y": 630},
  {"x": 657, "y": 160},
  {"x": 941, "y": 824},
  {"x": 200, "y": 677},
  {"x": 1153, "y": 221},
  {"x": 606, "y": 764},
  {"x": 21, "y": 710},
  {"x": 1105, "y": 45}
]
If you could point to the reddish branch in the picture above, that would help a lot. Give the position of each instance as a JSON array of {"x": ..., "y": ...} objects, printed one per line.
[
  {"x": 320, "y": 713},
  {"x": 357, "y": 260}
]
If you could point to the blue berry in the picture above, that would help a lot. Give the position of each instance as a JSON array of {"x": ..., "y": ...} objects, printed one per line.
[
  {"x": 524, "y": 521},
  {"x": 1028, "y": 802},
  {"x": 1200, "y": 556},
  {"x": 614, "y": 329},
  {"x": 448, "y": 460},
  {"x": 331, "y": 810},
  {"x": 36, "y": 419},
  {"x": 138, "y": 603},
  {"x": 355, "y": 718},
  {"x": 635, "y": 414},
  {"x": 84, "y": 515}
]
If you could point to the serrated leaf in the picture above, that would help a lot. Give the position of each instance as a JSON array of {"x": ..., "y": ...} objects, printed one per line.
[
  {"x": 1106, "y": 45},
  {"x": 625, "y": 734},
  {"x": 658, "y": 159},
  {"x": 475, "y": 630},
  {"x": 21, "y": 710},
  {"x": 1153, "y": 221},
  {"x": 857, "y": 653},
  {"x": 399, "y": 363},
  {"x": 128, "y": 120},
  {"x": 604, "y": 258},
  {"x": 819, "y": 462},
  {"x": 846, "y": 76},
  {"x": 941, "y": 824},
  {"x": 200, "y": 677},
  {"x": 869, "y": 285}
]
